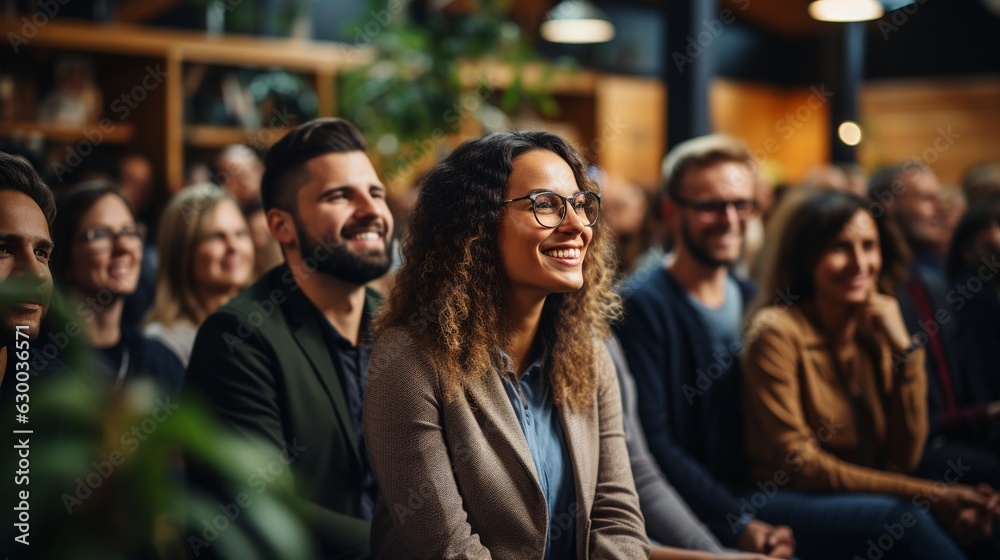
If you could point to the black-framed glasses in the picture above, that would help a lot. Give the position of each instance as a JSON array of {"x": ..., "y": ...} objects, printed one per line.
[
  {"x": 103, "y": 239},
  {"x": 710, "y": 211},
  {"x": 550, "y": 207}
]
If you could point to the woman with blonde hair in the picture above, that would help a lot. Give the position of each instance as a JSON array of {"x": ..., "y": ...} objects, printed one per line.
[
  {"x": 206, "y": 258},
  {"x": 492, "y": 414}
]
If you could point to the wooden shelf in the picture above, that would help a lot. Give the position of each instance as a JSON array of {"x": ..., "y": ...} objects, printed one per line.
[
  {"x": 534, "y": 75},
  {"x": 115, "y": 133},
  {"x": 215, "y": 137},
  {"x": 190, "y": 46}
]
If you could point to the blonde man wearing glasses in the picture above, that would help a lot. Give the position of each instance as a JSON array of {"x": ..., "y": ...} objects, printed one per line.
[{"x": 681, "y": 325}]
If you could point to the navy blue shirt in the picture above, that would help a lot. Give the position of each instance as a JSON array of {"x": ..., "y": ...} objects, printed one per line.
[
  {"x": 531, "y": 398},
  {"x": 351, "y": 363}
]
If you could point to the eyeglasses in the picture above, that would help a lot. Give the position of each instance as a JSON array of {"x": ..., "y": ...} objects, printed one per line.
[
  {"x": 550, "y": 207},
  {"x": 710, "y": 211},
  {"x": 103, "y": 239}
]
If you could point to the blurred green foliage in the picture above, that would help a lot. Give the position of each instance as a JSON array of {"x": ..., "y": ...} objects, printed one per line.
[
  {"x": 412, "y": 92},
  {"x": 107, "y": 470}
]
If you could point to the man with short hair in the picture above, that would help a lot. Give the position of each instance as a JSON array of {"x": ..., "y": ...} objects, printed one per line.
[
  {"x": 284, "y": 362},
  {"x": 960, "y": 420},
  {"x": 27, "y": 208},
  {"x": 682, "y": 338}
]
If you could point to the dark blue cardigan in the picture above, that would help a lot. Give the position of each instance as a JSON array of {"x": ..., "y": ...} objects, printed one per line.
[{"x": 689, "y": 398}]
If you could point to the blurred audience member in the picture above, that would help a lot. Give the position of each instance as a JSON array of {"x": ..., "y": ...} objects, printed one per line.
[
  {"x": 670, "y": 523},
  {"x": 26, "y": 210},
  {"x": 680, "y": 320},
  {"x": 197, "y": 172},
  {"x": 975, "y": 275},
  {"x": 825, "y": 177},
  {"x": 207, "y": 257},
  {"x": 97, "y": 266},
  {"x": 267, "y": 251},
  {"x": 626, "y": 207},
  {"x": 136, "y": 181},
  {"x": 911, "y": 198},
  {"x": 753, "y": 239},
  {"x": 857, "y": 179},
  {"x": 239, "y": 171},
  {"x": 835, "y": 391},
  {"x": 981, "y": 181},
  {"x": 910, "y": 194},
  {"x": 953, "y": 204}
]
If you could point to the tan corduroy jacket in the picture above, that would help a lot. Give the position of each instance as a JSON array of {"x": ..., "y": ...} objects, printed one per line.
[
  {"x": 799, "y": 419},
  {"x": 457, "y": 480}
]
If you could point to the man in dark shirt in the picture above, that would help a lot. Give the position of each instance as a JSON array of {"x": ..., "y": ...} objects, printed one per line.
[
  {"x": 284, "y": 362},
  {"x": 26, "y": 211},
  {"x": 961, "y": 418},
  {"x": 681, "y": 326}
]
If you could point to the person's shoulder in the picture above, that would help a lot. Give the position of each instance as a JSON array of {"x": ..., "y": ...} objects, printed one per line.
[
  {"x": 399, "y": 358},
  {"x": 158, "y": 360},
  {"x": 258, "y": 307},
  {"x": 395, "y": 341},
  {"x": 787, "y": 321},
  {"x": 156, "y": 352},
  {"x": 654, "y": 290},
  {"x": 274, "y": 286}
]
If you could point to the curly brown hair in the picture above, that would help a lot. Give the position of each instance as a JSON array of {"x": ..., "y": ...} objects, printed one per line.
[{"x": 449, "y": 291}]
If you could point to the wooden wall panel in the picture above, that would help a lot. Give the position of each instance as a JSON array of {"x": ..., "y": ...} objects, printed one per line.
[
  {"x": 946, "y": 125},
  {"x": 786, "y": 128},
  {"x": 629, "y": 120}
]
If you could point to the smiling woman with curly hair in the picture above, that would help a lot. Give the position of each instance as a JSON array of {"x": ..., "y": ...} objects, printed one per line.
[{"x": 492, "y": 413}]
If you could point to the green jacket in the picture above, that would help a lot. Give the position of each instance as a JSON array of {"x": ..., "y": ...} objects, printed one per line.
[{"x": 261, "y": 364}]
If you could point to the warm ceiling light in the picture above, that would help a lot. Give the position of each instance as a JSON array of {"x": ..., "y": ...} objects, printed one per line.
[
  {"x": 577, "y": 21},
  {"x": 849, "y": 133},
  {"x": 845, "y": 10}
]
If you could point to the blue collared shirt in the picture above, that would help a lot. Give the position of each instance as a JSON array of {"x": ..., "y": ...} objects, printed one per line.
[{"x": 531, "y": 398}]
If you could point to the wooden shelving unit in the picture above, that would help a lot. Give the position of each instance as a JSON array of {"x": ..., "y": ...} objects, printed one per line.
[
  {"x": 623, "y": 137},
  {"x": 122, "y": 133},
  {"x": 157, "y": 124}
]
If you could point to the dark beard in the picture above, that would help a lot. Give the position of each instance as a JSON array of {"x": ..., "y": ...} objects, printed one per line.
[
  {"x": 699, "y": 254},
  {"x": 338, "y": 262}
]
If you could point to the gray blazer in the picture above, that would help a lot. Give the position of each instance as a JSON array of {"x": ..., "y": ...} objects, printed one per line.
[{"x": 457, "y": 480}]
